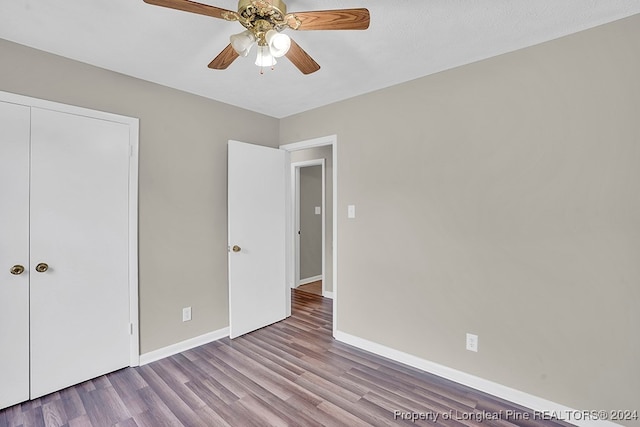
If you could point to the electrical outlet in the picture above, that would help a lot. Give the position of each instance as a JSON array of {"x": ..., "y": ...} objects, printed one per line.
[
  {"x": 472, "y": 342},
  {"x": 186, "y": 314}
]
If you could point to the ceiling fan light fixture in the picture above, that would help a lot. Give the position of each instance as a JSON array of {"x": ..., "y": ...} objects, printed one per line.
[
  {"x": 264, "y": 20},
  {"x": 242, "y": 42},
  {"x": 264, "y": 58},
  {"x": 278, "y": 43}
]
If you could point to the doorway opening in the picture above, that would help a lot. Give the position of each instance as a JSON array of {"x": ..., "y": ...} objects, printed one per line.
[
  {"x": 307, "y": 154},
  {"x": 310, "y": 219}
]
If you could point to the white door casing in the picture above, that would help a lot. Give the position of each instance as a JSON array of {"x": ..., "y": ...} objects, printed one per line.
[
  {"x": 331, "y": 140},
  {"x": 79, "y": 227},
  {"x": 257, "y": 211},
  {"x": 14, "y": 250}
]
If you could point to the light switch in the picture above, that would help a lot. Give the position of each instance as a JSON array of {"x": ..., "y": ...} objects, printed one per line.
[
  {"x": 351, "y": 211},
  {"x": 318, "y": 210},
  {"x": 186, "y": 314}
]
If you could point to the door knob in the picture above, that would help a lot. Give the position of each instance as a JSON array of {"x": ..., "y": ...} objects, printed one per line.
[
  {"x": 236, "y": 248},
  {"x": 42, "y": 267},
  {"x": 17, "y": 269}
]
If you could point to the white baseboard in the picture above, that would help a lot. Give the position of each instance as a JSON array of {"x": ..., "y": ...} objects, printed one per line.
[
  {"x": 542, "y": 406},
  {"x": 327, "y": 294},
  {"x": 161, "y": 353},
  {"x": 309, "y": 280}
]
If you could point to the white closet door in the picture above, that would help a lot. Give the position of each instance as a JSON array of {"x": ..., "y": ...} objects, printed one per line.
[
  {"x": 14, "y": 251},
  {"x": 79, "y": 228}
]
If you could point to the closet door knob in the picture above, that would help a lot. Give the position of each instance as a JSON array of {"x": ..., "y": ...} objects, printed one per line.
[
  {"x": 42, "y": 267},
  {"x": 236, "y": 248},
  {"x": 17, "y": 270}
]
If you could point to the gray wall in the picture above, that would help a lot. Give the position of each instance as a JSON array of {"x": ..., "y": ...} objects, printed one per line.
[
  {"x": 183, "y": 182},
  {"x": 310, "y": 223},
  {"x": 325, "y": 153},
  {"x": 500, "y": 198}
]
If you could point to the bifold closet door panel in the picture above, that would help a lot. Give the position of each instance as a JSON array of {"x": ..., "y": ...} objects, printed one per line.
[
  {"x": 14, "y": 253},
  {"x": 79, "y": 239}
]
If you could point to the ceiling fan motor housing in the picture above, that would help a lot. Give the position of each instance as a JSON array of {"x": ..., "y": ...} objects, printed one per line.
[
  {"x": 273, "y": 11},
  {"x": 260, "y": 16}
]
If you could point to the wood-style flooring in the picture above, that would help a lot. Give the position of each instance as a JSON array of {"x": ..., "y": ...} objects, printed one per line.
[
  {"x": 313, "y": 287},
  {"x": 288, "y": 374}
]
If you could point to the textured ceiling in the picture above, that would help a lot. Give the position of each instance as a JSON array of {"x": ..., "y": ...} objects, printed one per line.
[{"x": 407, "y": 39}]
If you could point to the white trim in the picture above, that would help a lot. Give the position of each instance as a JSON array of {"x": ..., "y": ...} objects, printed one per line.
[
  {"x": 512, "y": 395},
  {"x": 309, "y": 280},
  {"x": 310, "y": 143},
  {"x": 320, "y": 142},
  {"x": 134, "y": 341},
  {"x": 295, "y": 206},
  {"x": 133, "y": 123},
  {"x": 289, "y": 280},
  {"x": 185, "y": 345},
  {"x": 64, "y": 108},
  {"x": 324, "y": 225},
  {"x": 305, "y": 163},
  {"x": 327, "y": 294}
]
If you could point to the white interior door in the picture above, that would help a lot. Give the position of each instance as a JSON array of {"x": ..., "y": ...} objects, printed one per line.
[
  {"x": 256, "y": 223},
  {"x": 79, "y": 228},
  {"x": 14, "y": 252}
]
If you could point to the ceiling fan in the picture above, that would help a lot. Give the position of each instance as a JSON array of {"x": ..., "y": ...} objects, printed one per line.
[{"x": 264, "y": 21}]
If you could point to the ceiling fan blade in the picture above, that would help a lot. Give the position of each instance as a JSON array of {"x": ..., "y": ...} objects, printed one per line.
[
  {"x": 340, "y": 19},
  {"x": 224, "y": 58},
  {"x": 301, "y": 59},
  {"x": 191, "y": 6}
]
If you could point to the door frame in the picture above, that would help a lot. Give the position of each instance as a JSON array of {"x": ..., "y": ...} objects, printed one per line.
[
  {"x": 331, "y": 140},
  {"x": 295, "y": 180},
  {"x": 133, "y": 123}
]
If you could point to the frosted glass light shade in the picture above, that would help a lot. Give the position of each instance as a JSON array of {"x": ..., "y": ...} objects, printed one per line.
[
  {"x": 264, "y": 58},
  {"x": 279, "y": 43},
  {"x": 242, "y": 42}
]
